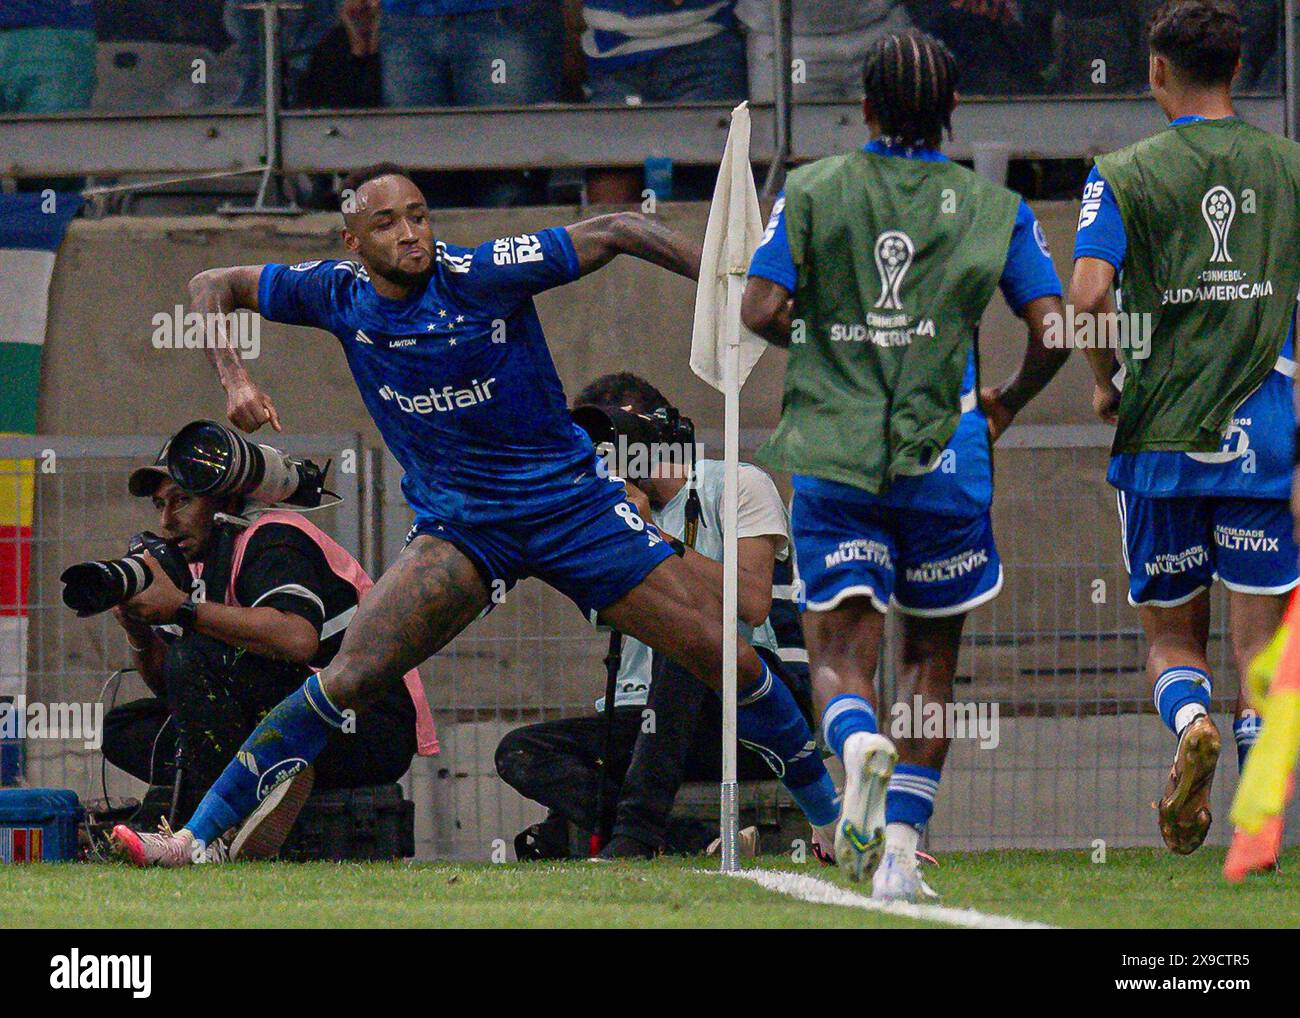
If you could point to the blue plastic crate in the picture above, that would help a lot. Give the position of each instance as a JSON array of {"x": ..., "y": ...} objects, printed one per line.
[{"x": 38, "y": 824}]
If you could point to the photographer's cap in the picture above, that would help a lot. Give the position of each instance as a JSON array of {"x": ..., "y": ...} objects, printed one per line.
[{"x": 144, "y": 481}]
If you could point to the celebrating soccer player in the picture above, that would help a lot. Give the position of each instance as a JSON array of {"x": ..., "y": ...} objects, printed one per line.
[
  {"x": 875, "y": 271},
  {"x": 1200, "y": 222},
  {"x": 446, "y": 347}
]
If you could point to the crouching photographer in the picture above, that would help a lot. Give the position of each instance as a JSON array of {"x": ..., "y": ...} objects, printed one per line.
[
  {"x": 230, "y": 606},
  {"x": 619, "y": 774}
]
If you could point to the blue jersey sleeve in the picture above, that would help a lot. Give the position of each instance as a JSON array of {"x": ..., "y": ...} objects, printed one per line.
[
  {"x": 303, "y": 294},
  {"x": 772, "y": 259},
  {"x": 1101, "y": 227},
  {"x": 500, "y": 273},
  {"x": 1029, "y": 272}
]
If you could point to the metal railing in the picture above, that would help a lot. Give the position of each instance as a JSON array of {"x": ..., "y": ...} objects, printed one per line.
[{"x": 275, "y": 141}]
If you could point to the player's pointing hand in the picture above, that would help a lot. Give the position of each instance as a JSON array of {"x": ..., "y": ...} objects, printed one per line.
[{"x": 248, "y": 407}]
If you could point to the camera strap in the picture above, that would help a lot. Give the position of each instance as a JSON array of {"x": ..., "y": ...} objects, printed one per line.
[{"x": 693, "y": 510}]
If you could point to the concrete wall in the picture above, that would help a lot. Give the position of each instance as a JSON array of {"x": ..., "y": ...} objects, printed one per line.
[{"x": 102, "y": 376}]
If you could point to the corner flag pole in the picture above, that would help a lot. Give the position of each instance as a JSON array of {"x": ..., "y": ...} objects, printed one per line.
[
  {"x": 723, "y": 353},
  {"x": 730, "y": 577}
]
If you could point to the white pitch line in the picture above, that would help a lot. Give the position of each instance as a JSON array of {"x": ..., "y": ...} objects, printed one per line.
[{"x": 823, "y": 892}]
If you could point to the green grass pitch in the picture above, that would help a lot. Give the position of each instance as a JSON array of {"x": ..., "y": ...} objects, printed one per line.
[{"x": 1133, "y": 888}]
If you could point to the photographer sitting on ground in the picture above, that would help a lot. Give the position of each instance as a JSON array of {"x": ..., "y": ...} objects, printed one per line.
[
  {"x": 271, "y": 599},
  {"x": 666, "y": 725}
]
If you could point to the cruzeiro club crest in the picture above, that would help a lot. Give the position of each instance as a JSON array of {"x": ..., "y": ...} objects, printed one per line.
[
  {"x": 894, "y": 254},
  {"x": 1219, "y": 207}
]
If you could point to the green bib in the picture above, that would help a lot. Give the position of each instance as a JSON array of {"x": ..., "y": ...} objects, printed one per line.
[
  {"x": 897, "y": 260},
  {"x": 1211, "y": 211}
]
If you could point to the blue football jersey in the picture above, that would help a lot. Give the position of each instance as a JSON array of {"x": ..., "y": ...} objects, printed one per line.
[{"x": 458, "y": 377}]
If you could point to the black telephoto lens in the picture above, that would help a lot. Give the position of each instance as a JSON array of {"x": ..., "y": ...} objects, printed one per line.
[
  {"x": 93, "y": 587},
  {"x": 205, "y": 458}
]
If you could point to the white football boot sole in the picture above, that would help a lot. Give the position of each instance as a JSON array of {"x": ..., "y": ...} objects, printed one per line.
[{"x": 860, "y": 833}]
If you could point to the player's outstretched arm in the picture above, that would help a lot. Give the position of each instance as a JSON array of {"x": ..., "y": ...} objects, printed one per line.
[
  {"x": 219, "y": 292},
  {"x": 1090, "y": 295},
  {"x": 1038, "y": 367},
  {"x": 602, "y": 238},
  {"x": 765, "y": 310}
]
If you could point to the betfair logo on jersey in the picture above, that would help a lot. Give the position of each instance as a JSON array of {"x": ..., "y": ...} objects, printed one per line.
[
  {"x": 517, "y": 250},
  {"x": 442, "y": 400}
]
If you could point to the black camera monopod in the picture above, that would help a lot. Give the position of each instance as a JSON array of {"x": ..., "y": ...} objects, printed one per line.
[{"x": 604, "y": 815}]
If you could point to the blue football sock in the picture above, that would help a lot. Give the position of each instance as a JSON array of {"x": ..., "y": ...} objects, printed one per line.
[
  {"x": 769, "y": 721},
  {"x": 1182, "y": 694},
  {"x": 1245, "y": 730},
  {"x": 910, "y": 797},
  {"x": 844, "y": 715},
  {"x": 288, "y": 739}
]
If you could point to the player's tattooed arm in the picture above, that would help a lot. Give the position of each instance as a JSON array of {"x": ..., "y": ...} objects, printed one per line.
[
  {"x": 1038, "y": 367},
  {"x": 766, "y": 310},
  {"x": 218, "y": 292},
  {"x": 602, "y": 238},
  {"x": 1091, "y": 294}
]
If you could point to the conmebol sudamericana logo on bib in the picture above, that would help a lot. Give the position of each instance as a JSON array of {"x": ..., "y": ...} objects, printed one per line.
[
  {"x": 1221, "y": 280},
  {"x": 894, "y": 254},
  {"x": 1219, "y": 208}
]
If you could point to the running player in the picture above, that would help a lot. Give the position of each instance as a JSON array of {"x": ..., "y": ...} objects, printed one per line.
[
  {"x": 1200, "y": 224},
  {"x": 875, "y": 271},
  {"x": 446, "y": 347}
]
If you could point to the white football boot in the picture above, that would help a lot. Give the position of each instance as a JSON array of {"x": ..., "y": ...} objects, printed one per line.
[
  {"x": 860, "y": 832},
  {"x": 899, "y": 878}
]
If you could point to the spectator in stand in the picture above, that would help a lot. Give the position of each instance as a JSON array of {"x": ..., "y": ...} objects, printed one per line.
[
  {"x": 471, "y": 52},
  {"x": 343, "y": 73},
  {"x": 658, "y": 51},
  {"x": 831, "y": 39},
  {"x": 1261, "y": 46},
  {"x": 1002, "y": 46},
  {"x": 47, "y": 55},
  {"x": 302, "y": 30},
  {"x": 474, "y": 53},
  {"x": 1096, "y": 52}
]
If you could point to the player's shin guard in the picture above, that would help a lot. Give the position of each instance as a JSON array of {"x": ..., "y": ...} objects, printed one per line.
[
  {"x": 1182, "y": 694},
  {"x": 289, "y": 738},
  {"x": 770, "y": 723}
]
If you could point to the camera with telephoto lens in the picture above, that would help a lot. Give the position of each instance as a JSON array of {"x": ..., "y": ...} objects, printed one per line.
[
  {"x": 93, "y": 587},
  {"x": 207, "y": 458},
  {"x": 638, "y": 446}
]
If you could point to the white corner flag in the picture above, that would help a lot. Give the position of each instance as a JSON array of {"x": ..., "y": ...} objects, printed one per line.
[
  {"x": 734, "y": 230},
  {"x": 722, "y": 353}
]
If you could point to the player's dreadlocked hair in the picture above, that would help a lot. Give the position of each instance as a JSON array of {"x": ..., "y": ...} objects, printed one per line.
[
  {"x": 622, "y": 388},
  {"x": 911, "y": 79}
]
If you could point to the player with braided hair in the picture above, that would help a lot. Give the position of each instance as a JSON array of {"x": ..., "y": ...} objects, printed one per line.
[{"x": 885, "y": 428}]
